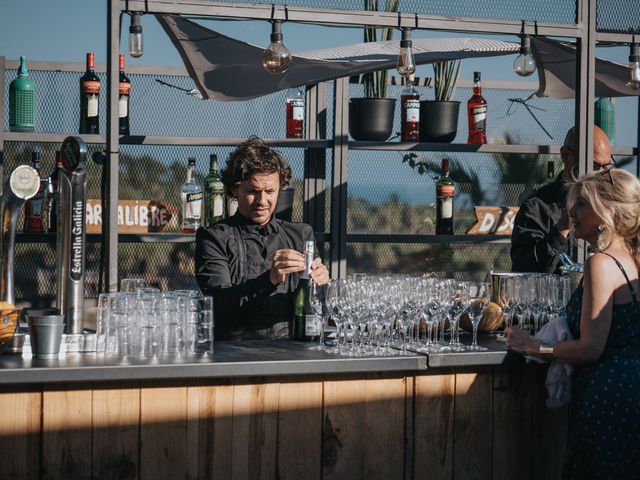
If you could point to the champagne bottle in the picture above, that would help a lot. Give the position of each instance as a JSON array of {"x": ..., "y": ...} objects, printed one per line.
[
  {"x": 305, "y": 324},
  {"x": 124, "y": 90},
  {"x": 191, "y": 199},
  {"x": 213, "y": 193},
  {"x": 445, "y": 191},
  {"x": 477, "y": 113},
  {"x": 89, "y": 98},
  {"x": 33, "y": 212}
]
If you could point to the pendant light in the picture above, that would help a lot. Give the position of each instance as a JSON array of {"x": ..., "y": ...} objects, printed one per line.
[
  {"x": 406, "y": 63},
  {"x": 276, "y": 57},
  {"x": 633, "y": 75},
  {"x": 136, "y": 41},
  {"x": 524, "y": 64}
]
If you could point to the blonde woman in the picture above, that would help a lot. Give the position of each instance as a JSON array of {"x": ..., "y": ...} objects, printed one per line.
[{"x": 604, "y": 317}]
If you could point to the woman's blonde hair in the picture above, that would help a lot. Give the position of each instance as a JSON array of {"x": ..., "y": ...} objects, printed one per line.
[{"x": 614, "y": 196}]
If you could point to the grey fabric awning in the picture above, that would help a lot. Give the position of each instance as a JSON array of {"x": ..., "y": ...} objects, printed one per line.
[{"x": 227, "y": 69}]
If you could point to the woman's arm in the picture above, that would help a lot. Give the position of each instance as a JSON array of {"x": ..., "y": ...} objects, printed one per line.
[{"x": 595, "y": 318}]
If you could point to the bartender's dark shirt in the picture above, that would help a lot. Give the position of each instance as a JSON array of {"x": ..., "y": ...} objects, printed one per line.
[
  {"x": 536, "y": 243},
  {"x": 232, "y": 261}
]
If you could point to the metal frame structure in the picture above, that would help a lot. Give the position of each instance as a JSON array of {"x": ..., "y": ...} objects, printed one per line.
[{"x": 316, "y": 142}]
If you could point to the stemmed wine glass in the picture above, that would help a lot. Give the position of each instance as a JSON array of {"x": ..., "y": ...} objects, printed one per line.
[{"x": 478, "y": 302}]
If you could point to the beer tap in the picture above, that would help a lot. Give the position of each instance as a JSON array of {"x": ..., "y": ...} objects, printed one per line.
[
  {"x": 71, "y": 240},
  {"x": 23, "y": 184}
]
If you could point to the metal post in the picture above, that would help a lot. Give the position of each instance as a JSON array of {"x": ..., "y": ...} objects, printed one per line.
[{"x": 110, "y": 218}]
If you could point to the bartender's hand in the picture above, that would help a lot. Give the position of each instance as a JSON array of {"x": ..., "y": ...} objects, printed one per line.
[
  {"x": 521, "y": 341},
  {"x": 319, "y": 272},
  {"x": 285, "y": 261}
]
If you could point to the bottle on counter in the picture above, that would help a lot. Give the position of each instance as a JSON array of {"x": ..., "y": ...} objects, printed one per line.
[
  {"x": 410, "y": 112},
  {"x": 307, "y": 307},
  {"x": 214, "y": 205},
  {"x": 477, "y": 113},
  {"x": 295, "y": 113},
  {"x": 124, "y": 90},
  {"x": 89, "y": 98},
  {"x": 445, "y": 191},
  {"x": 191, "y": 200},
  {"x": 51, "y": 196},
  {"x": 33, "y": 208},
  {"x": 22, "y": 101}
]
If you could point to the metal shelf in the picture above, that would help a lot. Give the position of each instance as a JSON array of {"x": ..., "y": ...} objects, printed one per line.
[
  {"x": 161, "y": 140},
  {"x": 430, "y": 239},
  {"x": 173, "y": 237}
]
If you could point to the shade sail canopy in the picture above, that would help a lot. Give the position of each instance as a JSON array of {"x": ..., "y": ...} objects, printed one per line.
[
  {"x": 556, "y": 63},
  {"x": 227, "y": 69}
]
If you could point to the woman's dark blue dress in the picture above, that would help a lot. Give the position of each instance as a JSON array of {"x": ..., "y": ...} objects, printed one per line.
[{"x": 604, "y": 430}]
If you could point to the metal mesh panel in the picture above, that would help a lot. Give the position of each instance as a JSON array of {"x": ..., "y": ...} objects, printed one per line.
[
  {"x": 617, "y": 15},
  {"x": 465, "y": 262},
  {"x": 555, "y": 11}
]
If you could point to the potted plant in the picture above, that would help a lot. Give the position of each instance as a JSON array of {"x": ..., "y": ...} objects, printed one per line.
[
  {"x": 371, "y": 117},
  {"x": 440, "y": 116}
]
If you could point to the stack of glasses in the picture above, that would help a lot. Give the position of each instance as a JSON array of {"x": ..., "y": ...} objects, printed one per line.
[{"x": 144, "y": 322}]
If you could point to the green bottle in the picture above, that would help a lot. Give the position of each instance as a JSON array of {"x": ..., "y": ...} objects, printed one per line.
[
  {"x": 22, "y": 101},
  {"x": 605, "y": 117},
  {"x": 213, "y": 193}
]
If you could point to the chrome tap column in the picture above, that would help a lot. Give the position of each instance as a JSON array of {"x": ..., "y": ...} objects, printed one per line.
[
  {"x": 23, "y": 184},
  {"x": 71, "y": 240}
]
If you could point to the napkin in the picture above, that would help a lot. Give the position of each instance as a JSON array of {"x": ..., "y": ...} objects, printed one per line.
[{"x": 558, "y": 380}]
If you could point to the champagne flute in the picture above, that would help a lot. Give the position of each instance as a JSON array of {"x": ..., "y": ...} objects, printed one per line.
[{"x": 478, "y": 303}]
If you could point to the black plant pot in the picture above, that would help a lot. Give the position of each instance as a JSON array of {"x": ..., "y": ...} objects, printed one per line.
[
  {"x": 438, "y": 121},
  {"x": 371, "y": 119},
  {"x": 284, "y": 207}
]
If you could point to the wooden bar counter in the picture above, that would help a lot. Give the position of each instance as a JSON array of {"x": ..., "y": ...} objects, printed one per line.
[{"x": 277, "y": 410}]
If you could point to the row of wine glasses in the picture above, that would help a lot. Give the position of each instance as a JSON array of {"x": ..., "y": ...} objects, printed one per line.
[{"x": 393, "y": 315}]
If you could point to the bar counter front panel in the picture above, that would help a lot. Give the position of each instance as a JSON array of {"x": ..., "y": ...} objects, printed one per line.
[{"x": 279, "y": 410}]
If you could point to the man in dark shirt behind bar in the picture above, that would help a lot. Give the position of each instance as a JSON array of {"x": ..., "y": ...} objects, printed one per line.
[
  {"x": 541, "y": 227},
  {"x": 250, "y": 262}
]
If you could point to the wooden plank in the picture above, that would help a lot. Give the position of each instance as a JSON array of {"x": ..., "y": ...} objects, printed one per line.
[
  {"x": 472, "y": 424},
  {"x": 300, "y": 430},
  {"x": 511, "y": 424},
  {"x": 20, "y": 432},
  {"x": 255, "y": 424},
  {"x": 66, "y": 423},
  {"x": 385, "y": 427},
  {"x": 163, "y": 431},
  {"x": 343, "y": 429},
  {"x": 209, "y": 430},
  {"x": 434, "y": 426},
  {"x": 116, "y": 432}
]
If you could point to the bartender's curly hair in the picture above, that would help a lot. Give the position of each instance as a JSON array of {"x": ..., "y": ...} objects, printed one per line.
[{"x": 253, "y": 157}]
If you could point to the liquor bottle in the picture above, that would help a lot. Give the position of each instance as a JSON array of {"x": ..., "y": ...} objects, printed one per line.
[
  {"x": 89, "y": 99},
  {"x": 305, "y": 301},
  {"x": 410, "y": 113},
  {"x": 191, "y": 200},
  {"x": 33, "y": 207},
  {"x": 22, "y": 101},
  {"x": 51, "y": 196},
  {"x": 232, "y": 206},
  {"x": 124, "y": 90},
  {"x": 445, "y": 191},
  {"x": 477, "y": 113},
  {"x": 213, "y": 193},
  {"x": 295, "y": 114}
]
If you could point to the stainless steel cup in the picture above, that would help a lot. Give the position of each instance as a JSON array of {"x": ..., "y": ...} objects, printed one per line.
[{"x": 45, "y": 329}]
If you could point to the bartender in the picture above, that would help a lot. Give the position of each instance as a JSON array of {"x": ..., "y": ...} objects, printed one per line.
[{"x": 250, "y": 262}]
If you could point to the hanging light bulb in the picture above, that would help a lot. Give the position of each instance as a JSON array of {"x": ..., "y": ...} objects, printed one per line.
[
  {"x": 633, "y": 75},
  {"x": 276, "y": 57},
  {"x": 136, "y": 41},
  {"x": 524, "y": 64},
  {"x": 406, "y": 63}
]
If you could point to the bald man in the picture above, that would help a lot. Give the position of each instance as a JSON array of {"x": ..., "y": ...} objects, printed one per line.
[{"x": 541, "y": 227}]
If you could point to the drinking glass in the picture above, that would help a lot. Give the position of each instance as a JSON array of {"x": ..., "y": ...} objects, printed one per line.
[
  {"x": 131, "y": 285},
  {"x": 478, "y": 302}
]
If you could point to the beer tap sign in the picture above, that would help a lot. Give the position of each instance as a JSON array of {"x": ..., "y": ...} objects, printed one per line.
[{"x": 71, "y": 239}]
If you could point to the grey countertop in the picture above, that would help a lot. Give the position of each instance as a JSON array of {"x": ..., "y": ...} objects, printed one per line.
[{"x": 231, "y": 360}]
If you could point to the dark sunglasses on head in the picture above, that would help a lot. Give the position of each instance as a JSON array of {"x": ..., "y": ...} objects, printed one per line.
[{"x": 606, "y": 169}]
